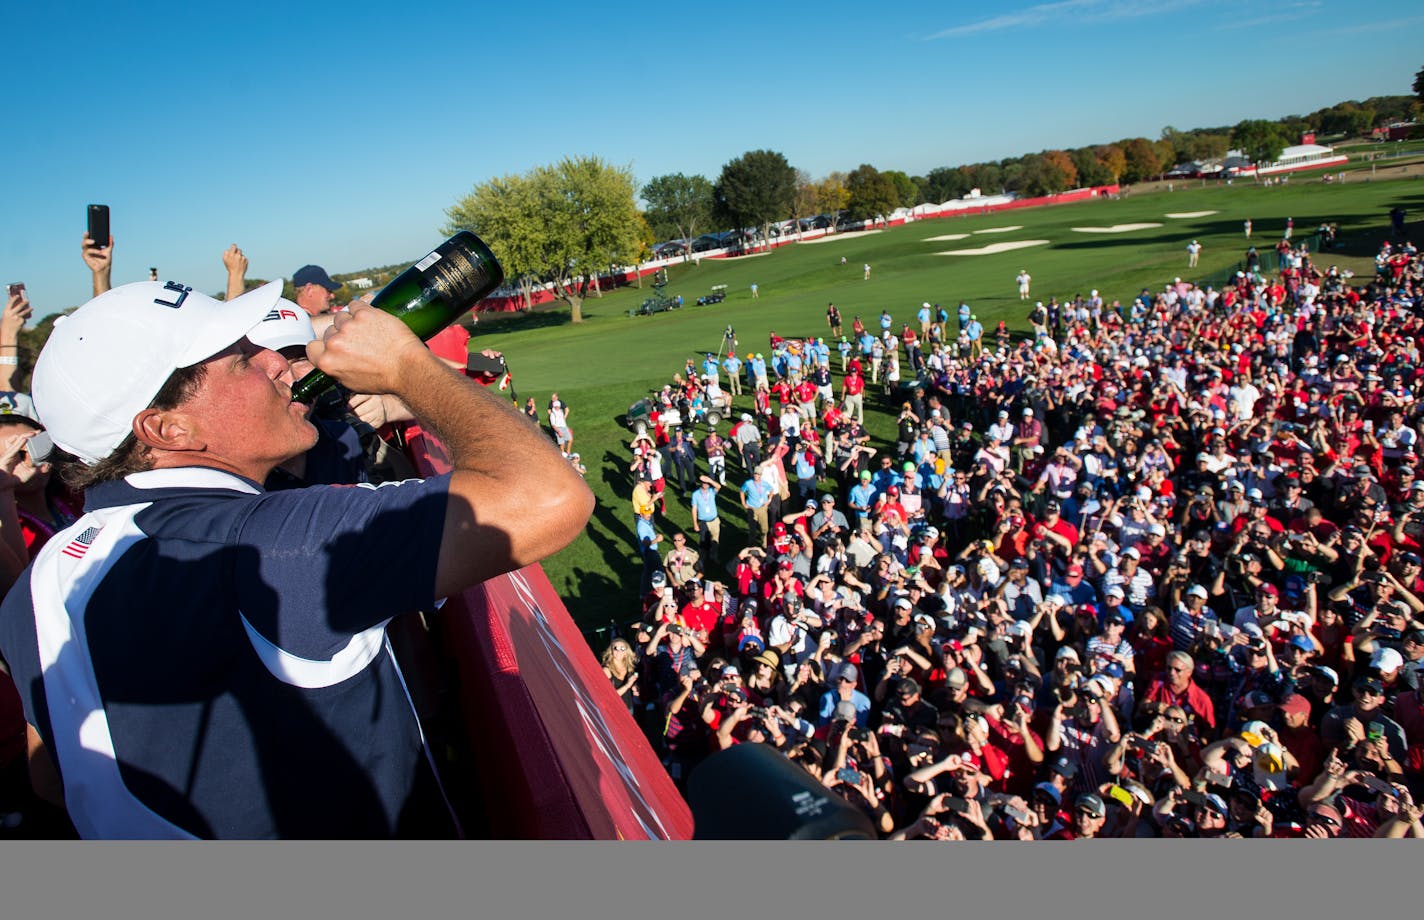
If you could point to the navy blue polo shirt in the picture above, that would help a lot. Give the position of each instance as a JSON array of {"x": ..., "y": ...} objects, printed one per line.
[{"x": 206, "y": 659}]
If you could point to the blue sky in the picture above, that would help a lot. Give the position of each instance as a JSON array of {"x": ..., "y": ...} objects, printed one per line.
[{"x": 338, "y": 133}]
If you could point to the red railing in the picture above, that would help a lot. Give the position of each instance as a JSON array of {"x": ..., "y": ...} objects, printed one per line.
[{"x": 560, "y": 756}]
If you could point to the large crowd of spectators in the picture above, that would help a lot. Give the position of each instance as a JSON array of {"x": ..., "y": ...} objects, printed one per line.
[{"x": 1153, "y": 571}]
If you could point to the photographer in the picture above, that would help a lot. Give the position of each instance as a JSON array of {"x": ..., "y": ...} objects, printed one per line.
[
  {"x": 674, "y": 658},
  {"x": 857, "y": 771},
  {"x": 1082, "y": 729}
]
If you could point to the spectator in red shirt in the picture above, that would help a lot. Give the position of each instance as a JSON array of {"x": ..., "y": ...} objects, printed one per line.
[
  {"x": 1177, "y": 688},
  {"x": 699, "y": 614},
  {"x": 1301, "y": 738}
]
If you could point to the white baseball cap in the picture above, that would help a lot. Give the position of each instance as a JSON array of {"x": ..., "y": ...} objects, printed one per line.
[
  {"x": 1386, "y": 659},
  {"x": 106, "y": 362},
  {"x": 285, "y": 325}
]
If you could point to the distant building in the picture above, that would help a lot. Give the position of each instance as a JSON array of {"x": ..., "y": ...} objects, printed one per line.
[
  {"x": 1304, "y": 156},
  {"x": 1400, "y": 130},
  {"x": 362, "y": 284},
  {"x": 1292, "y": 159}
]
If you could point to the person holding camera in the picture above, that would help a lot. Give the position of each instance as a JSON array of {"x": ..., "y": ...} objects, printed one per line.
[
  {"x": 1177, "y": 686},
  {"x": 1082, "y": 728},
  {"x": 674, "y": 650},
  {"x": 788, "y": 633}
]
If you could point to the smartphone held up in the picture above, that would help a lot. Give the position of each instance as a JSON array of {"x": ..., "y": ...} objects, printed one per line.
[
  {"x": 99, "y": 226},
  {"x": 17, "y": 295}
]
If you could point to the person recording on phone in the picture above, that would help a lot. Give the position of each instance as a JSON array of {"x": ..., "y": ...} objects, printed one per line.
[
  {"x": 17, "y": 312},
  {"x": 100, "y": 260},
  {"x": 204, "y": 658}
]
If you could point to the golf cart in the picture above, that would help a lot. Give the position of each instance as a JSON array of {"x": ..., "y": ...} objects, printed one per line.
[
  {"x": 719, "y": 294},
  {"x": 659, "y": 302}
]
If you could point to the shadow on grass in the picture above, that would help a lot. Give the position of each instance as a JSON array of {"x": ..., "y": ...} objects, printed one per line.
[
  {"x": 1365, "y": 244},
  {"x": 1263, "y": 240},
  {"x": 618, "y": 480},
  {"x": 505, "y": 322},
  {"x": 596, "y": 600}
]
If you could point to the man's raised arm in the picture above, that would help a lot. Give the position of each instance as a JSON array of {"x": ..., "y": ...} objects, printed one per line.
[{"x": 513, "y": 499}]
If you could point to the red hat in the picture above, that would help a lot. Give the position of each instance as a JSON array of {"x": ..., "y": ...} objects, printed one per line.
[
  {"x": 1268, "y": 588},
  {"x": 1075, "y": 571},
  {"x": 1295, "y": 703},
  {"x": 779, "y": 529}
]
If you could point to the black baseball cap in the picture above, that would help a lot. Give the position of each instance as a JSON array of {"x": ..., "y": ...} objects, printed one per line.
[
  {"x": 314, "y": 274},
  {"x": 1369, "y": 683}
]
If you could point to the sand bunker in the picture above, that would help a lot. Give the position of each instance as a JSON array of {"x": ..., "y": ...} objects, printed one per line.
[
  {"x": 840, "y": 236},
  {"x": 1115, "y": 228},
  {"x": 999, "y": 229},
  {"x": 1183, "y": 215},
  {"x": 947, "y": 237},
  {"x": 993, "y": 248}
]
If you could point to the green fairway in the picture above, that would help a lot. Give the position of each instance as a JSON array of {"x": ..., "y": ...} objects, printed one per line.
[{"x": 601, "y": 366}]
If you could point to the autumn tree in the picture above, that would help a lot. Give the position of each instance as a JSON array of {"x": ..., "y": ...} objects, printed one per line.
[
  {"x": 1141, "y": 161},
  {"x": 1166, "y": 155},
  {"x": 832, "y": 196},
  {"x": 804, "y": 202},
  {"x": 1113, "y": 160},
  {"x": 1091, "y": 171},
  {"x": 1063, "y": 163}
]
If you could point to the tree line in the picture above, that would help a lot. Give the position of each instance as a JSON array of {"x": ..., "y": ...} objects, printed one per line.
[{"x": 568, "y": 223}]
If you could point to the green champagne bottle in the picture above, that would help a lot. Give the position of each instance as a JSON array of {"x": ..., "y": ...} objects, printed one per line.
[{"x": 428, "y": 296}]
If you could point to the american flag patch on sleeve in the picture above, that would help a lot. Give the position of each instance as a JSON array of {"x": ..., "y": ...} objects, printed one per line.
[{"x": 80, "y": 544}]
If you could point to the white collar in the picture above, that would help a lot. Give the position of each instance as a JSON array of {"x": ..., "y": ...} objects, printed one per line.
[{"x": 191, "y": 477}]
